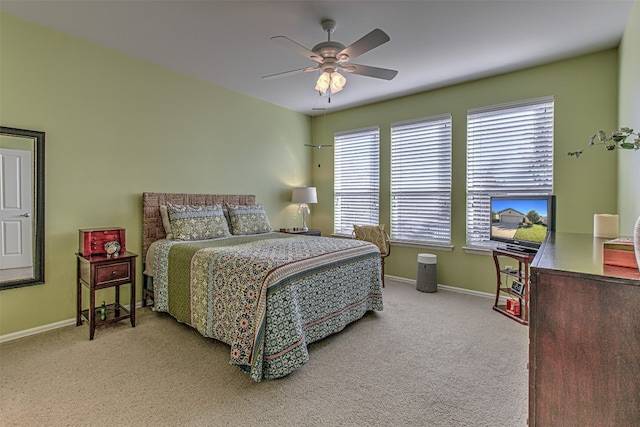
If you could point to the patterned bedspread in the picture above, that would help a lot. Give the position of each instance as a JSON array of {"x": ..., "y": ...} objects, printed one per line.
[{"x": 267, "y": 295}]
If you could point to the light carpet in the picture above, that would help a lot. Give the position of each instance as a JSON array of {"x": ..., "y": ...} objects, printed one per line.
[{"x": 440, "y": 359}]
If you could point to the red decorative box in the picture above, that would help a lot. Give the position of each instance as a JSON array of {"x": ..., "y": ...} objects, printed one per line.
[
  {"x": 619, "y": 252},
  {"x": 513, "y": 307},
  {"x": 92, "y": 240}
]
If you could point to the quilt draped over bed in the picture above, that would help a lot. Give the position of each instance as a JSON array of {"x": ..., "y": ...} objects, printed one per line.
[{"x": 268, "y": 295}]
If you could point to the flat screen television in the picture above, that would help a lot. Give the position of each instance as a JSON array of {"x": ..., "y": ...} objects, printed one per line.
[{"x": 521, "y": 222}]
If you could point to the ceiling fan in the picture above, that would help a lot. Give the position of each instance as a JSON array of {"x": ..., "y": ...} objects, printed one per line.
[{"x": 332, "y": 57}]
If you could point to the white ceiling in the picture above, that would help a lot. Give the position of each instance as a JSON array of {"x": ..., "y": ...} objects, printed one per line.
[{"x": 433, "y": 43}]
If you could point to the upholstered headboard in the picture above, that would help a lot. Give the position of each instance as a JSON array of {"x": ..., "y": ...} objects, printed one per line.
[{"x": 152, "y": 228}]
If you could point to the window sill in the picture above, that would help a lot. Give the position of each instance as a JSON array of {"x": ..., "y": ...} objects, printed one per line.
[
  {"x": 423, "y": 245},
  {"x": 476, "y": 250}
]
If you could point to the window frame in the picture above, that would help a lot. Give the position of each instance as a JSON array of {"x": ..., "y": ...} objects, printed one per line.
[
  {"x": 526, "y": 149},
  {"x": 353, "y": 148},
  {"x": 421, "y": 178}
]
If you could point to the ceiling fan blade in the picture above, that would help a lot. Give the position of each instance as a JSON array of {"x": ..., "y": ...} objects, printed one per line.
[
  {"x": 369, "y": 71},
  {"x": 287, "y": 73},
  {"x": 288, "y": 43},
  {"x": 372, "y": 40}
]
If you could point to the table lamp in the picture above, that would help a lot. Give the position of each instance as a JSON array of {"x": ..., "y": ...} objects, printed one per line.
[{"x": 302, "y": 196}]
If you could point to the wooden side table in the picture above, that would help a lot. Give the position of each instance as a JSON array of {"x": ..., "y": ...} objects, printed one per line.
[
  {"x": 520, "y": 276},
  {"x": 101, "y": 272}
]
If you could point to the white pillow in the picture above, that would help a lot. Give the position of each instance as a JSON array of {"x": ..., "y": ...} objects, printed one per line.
[{"x": 165, "y": 222}]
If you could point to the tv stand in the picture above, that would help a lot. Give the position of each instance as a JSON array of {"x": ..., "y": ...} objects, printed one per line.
[{"x": 518, "y": 291}]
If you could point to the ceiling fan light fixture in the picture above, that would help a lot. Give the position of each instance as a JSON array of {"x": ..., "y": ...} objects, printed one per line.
[{"x": 330, "y": 80}]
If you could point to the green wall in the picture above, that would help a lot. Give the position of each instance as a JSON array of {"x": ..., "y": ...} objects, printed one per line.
[
  {"x": 585, "y": 91},
  {"x": 629, "y": 116},
  {"x": 117, "y": 127}
]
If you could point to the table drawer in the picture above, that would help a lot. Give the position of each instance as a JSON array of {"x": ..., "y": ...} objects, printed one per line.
[{"x": 112, "y": 272}]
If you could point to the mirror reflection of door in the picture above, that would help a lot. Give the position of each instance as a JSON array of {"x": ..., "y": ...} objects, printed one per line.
[
  {"x": 21, "y": 207},
  {"x": 16, "y": 255}
]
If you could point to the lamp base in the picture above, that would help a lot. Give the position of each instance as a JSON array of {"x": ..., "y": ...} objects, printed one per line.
[{"x": 304, "y": 212}]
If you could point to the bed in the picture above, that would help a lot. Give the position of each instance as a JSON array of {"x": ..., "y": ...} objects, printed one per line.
[{"x": 266, "y": 294}]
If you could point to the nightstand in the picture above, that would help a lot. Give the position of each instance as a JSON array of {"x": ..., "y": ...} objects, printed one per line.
[
  {"x": 101, "y": 272},
  {"x": 298, "y": 231}
]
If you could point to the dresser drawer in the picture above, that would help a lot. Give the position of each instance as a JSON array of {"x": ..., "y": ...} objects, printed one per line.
[{"x": 112, "y": 272}]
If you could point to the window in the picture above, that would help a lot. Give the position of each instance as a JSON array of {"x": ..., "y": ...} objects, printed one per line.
[
  {"x": 509, "y": 151},
  {"x": 421, "y": 180},
  {"x": 356, "y": 178}
]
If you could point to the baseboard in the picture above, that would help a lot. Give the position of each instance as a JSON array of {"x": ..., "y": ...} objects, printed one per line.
[
  {"x": 44, "y": 328},
  {"x": 37, "y": 330},
  {"x": 61, "y": 324},
  {"x": 412, "y": 282}
]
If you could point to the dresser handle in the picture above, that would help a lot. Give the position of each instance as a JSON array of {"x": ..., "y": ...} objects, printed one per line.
[{"x": 113, "y": 273}]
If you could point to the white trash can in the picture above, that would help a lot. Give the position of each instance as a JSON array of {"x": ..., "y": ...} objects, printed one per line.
[{"x": 427, "y": 278}]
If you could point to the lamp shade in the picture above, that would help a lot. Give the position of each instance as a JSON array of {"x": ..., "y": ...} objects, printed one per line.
[
  {"x": 304, "y": 195},
  {"x": 323, "y": 82},
  {"x": 337, "y": 82}
]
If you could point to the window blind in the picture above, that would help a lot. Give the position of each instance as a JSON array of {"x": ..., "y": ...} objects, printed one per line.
[
  {"x": 421, "y": 180},
  {"x": 509, "y": 152},
  {"x": 356, "y": 178}
]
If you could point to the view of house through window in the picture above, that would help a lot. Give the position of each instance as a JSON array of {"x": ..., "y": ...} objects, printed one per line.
[
  {"x": 509, "y": 152},
  {"x": 356, "y": 179},
  {"x": 421, "y": 180}
]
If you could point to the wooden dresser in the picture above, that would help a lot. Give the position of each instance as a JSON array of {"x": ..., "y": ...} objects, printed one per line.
[{"x": 584, "y": 336}]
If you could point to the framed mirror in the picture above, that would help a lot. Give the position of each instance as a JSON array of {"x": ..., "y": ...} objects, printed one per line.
[{"x": 21, "y": 207}]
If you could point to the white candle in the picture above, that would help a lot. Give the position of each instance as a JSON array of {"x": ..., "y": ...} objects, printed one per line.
[{"x": 605, "y": 225}]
